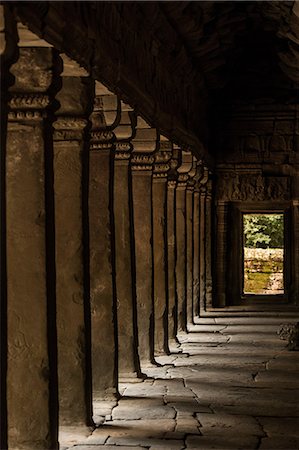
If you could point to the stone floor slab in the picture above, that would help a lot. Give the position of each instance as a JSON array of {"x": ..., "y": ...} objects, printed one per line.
[{"x": 235, "y": 386}]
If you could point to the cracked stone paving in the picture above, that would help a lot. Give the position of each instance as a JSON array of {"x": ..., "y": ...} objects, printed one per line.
[{"x": 230, "y": 383}]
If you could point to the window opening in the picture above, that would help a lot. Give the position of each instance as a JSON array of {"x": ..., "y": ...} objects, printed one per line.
[{"x": 263, "y": 254}]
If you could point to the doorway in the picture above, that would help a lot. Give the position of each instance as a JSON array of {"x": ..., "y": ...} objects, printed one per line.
[{"x": 263, "y": 254}]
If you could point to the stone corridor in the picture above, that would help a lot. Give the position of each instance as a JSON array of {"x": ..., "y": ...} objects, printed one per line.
[
  {"x": 233, "y": 385},
  {"x": 135, "y": 139}
]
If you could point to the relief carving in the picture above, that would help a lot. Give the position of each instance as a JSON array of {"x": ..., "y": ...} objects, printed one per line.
[{"x": 249, "y": 187}]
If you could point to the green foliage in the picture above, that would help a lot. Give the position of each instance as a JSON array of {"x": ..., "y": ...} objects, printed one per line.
[{"x": 263, "y": 230}]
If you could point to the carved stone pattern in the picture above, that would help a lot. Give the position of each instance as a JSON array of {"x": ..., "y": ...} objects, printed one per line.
[
  {"x": 101, "y": 136},
  {"x": 68, "y": 135},
  {"x": 162, "y": 157},
  {"x": 122, "y": 150},
  {"x": 15, "y": 116},
  {"x": 29, "y": 101},
  {"x": 69, "y": 129},
  {"x": 236, "y": 187},
  {"x": 142, "y": 162},
  {"x": 165, "y": 145},
  {"x": 101, "y": 146},
  {"x": 70, "y": 123},
  {"x": 171, "y": 184},
  {"x": 182, "y": 180},
  {"x": 190, "y": 185},
  {"x": 160, "y": 170}
]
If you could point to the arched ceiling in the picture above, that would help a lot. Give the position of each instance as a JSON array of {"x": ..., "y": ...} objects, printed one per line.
[
  {"x": 216, "y": 34},
  {"x": 179, "y": 62}
]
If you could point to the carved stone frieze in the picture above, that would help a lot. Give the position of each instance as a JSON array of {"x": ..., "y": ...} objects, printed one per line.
[
  {"x": 15, "y": 116},
  {"x": 70, "y": 123},
  {"x": 182, "y": 180},
  {"x": 162, "y": 159},
  {"x": 101, "y": 140},
  {"x": 142, "y": 161},
  {"x": 122, "y": 150},
  {"x": 69, "y": 128},
  {"x": 171, "y": 184},
  {"x": 28, "y": 106},
  {"x": 160, "y": 170},
  {"x": 234, "y": 186}
]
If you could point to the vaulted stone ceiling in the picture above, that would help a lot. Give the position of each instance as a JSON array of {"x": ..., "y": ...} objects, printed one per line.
[
  {"x": 216, "y": 34},
  {"x": 175, "y": 62}
]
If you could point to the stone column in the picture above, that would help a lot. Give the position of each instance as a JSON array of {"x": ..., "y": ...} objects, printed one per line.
[
  {"x": 181, "y": 288},
  {"x": 105, "y": 118},
  {"x": 9, "y": 54},
  {"x": 189, "y": 242},
  {"x": 171, "y": 250},
  {"x": 159, "y": 199},
  {"x": 196, "y": 239},
  {"x": 221, "y": 239},
  {"x": 128, "y": 360},
  {"x": 202, "y": 242},
  {"x": 208, "y": 243},
  {"x": 294, "y": 290},
  {"x": 144, "y": 146},
  {"x": 32, "y": 348},
  {"x": 70, "y": 152}
]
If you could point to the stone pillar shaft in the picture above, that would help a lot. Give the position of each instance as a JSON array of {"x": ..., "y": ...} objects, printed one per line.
[
  {"x": 171, "y": 256},
  {"x": 32, "y": 370},
  {"x": 8, "y": 53},
  {"x": 103, "y": 304},
  {"x": 202, "y": 251},
  {"x": 142, "y": 210},
  {"x": 181, "y": 255},
  {"x": 129, "y": 367},
  {"x": 295, "y": 260},
  {"x": 189, "y": 253},
  {"x": 104, "y": 118},
  {"x": 70, "y": 158},
  {"x": 196, "y": 252},
  {"x": 208, "y": 243},
  {"x": 221, "y": 253},
  {"x": 159, "y": 260}
]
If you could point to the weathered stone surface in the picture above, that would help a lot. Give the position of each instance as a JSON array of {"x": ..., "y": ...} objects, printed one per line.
[
  {"x": 290, "y": 332},
  {"x": 70, "y": 181},
  {"x": 144, "y": 146},
  {"x": 214, "y": 424},
  {"x": 30, "y": 269},
  {"x": 159, "y": 197},
  {"x": 128, "y": 360},
  {"x": 102, "y": 291},
  {"x": 221, "y": 442},
  {"x": 219, "y": 406},
  {"x": 145, "y": 408}
]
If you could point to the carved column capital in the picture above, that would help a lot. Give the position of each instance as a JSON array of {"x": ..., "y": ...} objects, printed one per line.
[
  {"x": 101, "y": 140},
  {"x": 142, "y": 161},
  {"x": 31, "y": 96},
  {"x": 124, "y": 133},
  {"x": 104, "y": 119},
  {"x": 162, "y": 158},
  {"x": 209, "y": 190},
  {"x": 122, "y": 150},
  {"x": 145, "y": 145},
  {"x": 69, "y": 128},
  {"x": 184, "y": 168},
  {"x": 28, "y": 106}
]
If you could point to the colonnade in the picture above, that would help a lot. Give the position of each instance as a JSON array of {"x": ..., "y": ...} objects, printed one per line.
[{"x": 108, "y": 243}]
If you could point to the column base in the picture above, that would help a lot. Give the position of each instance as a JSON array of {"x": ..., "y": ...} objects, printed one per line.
[
  {"x": 70, "y": 435},
  {"x": 149, "y": 365},
  {"x": 174, "y": 346},
  {"x": 131, "y": 377}
]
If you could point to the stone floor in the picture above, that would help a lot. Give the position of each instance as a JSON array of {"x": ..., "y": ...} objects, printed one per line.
[{"x": 234, "y": 386}]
